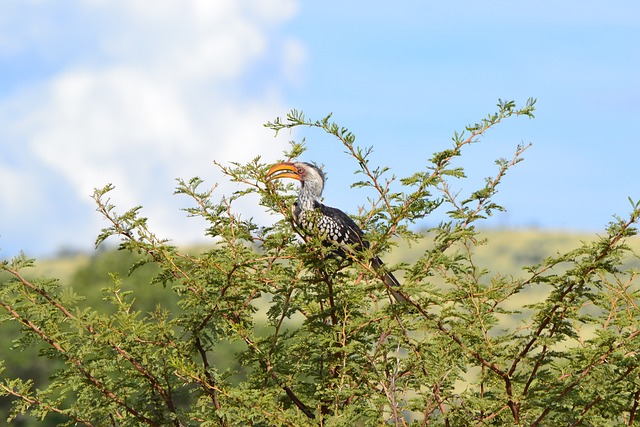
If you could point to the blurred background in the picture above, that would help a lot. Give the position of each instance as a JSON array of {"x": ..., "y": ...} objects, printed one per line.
[{"x": 138, "y": 93}]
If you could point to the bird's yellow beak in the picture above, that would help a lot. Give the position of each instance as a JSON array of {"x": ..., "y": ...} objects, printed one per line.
[{"x": 286, "y": 169}]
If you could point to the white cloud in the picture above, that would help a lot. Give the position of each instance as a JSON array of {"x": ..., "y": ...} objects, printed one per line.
[
  {"x": 152, "y": 92},
  {"x": 295, "y": 56}
]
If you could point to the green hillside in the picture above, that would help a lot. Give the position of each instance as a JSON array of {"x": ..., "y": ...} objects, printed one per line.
[
  {"x": 505, "y": 252},
  {"x": 502, "y": 252},
  {"x": 508, "y": 251}
]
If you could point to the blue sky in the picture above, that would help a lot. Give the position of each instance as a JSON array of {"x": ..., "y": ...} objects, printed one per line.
[{"x": 139, "y": 93}]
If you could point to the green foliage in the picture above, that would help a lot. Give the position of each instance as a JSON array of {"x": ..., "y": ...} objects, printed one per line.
[{"x": 318, "y": 340}]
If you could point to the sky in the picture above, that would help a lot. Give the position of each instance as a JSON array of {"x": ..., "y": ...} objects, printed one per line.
[{"x": 139, "y": 92}]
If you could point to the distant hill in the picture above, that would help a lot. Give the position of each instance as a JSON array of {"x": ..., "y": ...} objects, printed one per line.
[{"x": 506, "y": 251}]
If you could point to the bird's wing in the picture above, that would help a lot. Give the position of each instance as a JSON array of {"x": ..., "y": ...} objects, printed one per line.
[
  {"x": 339, "y": 227},
  {"x": 350, "y": 234},
  {"x": 354, "y": 236}
]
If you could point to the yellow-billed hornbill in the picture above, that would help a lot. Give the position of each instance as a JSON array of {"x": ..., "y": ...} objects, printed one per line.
[{"x": 317, "y": 219}]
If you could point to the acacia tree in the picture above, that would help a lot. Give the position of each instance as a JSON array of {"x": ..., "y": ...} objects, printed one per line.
[{"x": 319, "y": 340}]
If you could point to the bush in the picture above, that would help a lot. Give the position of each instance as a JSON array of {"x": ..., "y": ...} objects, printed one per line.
[{"x": 318, "y": 339}]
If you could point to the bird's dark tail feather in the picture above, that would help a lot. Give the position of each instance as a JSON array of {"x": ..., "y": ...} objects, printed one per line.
[{"x": 389, "y": 279}]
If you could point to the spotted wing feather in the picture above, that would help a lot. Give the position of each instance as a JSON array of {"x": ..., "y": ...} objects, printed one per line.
[
  {"x": 335, "y": 225},
  {"x": 332, "y": 224}
]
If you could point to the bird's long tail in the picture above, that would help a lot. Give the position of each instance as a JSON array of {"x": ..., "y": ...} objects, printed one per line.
[{"x": 389, "y": 279}]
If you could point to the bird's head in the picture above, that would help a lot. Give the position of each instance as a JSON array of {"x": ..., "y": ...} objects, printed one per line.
[{"x": 311, "y": 177}]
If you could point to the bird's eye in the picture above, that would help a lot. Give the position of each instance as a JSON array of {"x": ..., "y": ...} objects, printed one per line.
[{"x": 300, "y": 171}]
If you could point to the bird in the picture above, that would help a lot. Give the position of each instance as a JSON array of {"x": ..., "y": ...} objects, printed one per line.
[{"x": 330, "y": 224}]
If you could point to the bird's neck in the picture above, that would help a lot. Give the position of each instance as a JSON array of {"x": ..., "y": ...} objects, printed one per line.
[
  {"x": 309, "y": 196},
  {"x": 306, "y": 200}
]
